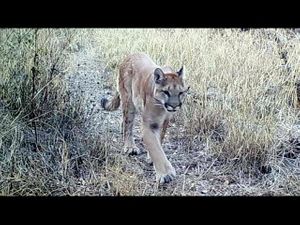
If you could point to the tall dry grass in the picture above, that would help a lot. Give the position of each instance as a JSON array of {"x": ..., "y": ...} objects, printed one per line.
[
  {"x": 242, "y": 91},
  {"x": 42, "y": 147}
]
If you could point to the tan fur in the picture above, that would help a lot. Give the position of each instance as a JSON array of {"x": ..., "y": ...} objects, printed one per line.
[{"x": 156, "y": 92}]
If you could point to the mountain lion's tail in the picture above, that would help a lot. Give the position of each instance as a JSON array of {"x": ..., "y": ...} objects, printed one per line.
[{"x": 111, "y": 104}]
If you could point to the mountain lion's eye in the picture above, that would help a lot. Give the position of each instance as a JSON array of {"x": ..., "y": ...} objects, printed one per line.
[{"x": 167, "y": 93}]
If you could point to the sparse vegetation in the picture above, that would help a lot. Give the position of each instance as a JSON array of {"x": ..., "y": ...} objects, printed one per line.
[
  {"x": 239, "y": 128},
  {"x": 42, "y": 146}
]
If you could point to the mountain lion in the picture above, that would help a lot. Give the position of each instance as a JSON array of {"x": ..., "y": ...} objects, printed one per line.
[{"x": 157, "y": 93}]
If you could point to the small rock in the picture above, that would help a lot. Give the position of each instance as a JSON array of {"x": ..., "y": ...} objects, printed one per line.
[{"x": 204, "y": 191}]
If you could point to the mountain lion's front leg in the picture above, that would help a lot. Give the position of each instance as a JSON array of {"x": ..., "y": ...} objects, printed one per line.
[{"x": 151, "y": 137}]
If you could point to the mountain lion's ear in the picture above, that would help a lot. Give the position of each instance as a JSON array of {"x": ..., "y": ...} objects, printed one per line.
[
  {"x": 159, "y": 75},
  {"x": 181, "y": 71}
]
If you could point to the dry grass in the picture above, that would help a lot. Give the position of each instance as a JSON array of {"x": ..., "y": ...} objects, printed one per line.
[
  {"x": 242, "y": 108},
  {"x": 240, "y": 86},
  {"x": 43, "y": 148}
]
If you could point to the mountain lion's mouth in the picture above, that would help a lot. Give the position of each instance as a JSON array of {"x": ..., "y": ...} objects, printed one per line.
[{"x": 173, "y": 110}]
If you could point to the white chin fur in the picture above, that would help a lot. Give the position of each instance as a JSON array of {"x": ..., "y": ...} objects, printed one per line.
[{"x": 170, "y": 108}]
